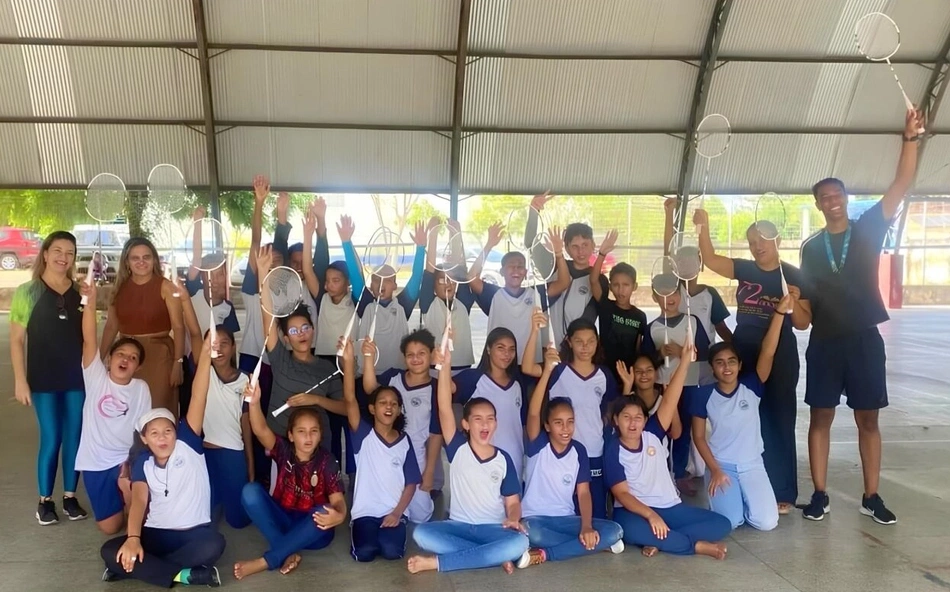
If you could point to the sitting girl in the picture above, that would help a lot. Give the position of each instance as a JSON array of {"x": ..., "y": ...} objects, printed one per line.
[
  {"x": 175, "y": 542},
  {"x": 639, "y": 380},
  {"x": 739, "y": 487},
  {"x": 646, "y": 504},
  {"x": 485, "y": 526},
  {"x": 387, "y": 473},
  {"x": 308, "y": 498},
  {"x": 558, "y": 469},
  {"x": 114, "y": 400}
]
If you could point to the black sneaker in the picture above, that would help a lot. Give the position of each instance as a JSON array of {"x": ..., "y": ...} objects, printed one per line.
[
  {"x": 817, "y": 507},
  {"x": 204, "y": 576},
  {"x": 46, "y": 513},
  {"x": 873, "y": 506},
  {"x": 109, "y": 576},
  {"x": 73, "y": 510}
]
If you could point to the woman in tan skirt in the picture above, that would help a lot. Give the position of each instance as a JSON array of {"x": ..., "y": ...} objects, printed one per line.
[{"x": 145, "y": 307}]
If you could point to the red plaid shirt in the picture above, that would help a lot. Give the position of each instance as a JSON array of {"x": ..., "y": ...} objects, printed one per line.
[{"x": 302, "y": 486}]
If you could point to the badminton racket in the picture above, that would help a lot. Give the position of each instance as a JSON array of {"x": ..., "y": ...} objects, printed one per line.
[
  {"x": 105, "y": 199},
  {"x": 664, "y": 283},
  {"x": 168, "y": 194},
  {"x": 281, "y": 294},
  {"x": 878, "y": 38},
  {"x": 770, "y": 220},
  {"x": 208, "y": 255},
  {"x": 538, "y": 276},
  {"x": 448, "y": 257},
  {"x": 339, "y": 372},
  {"x": 687, "y": 263},
  {"x": 711, "y": 141}
]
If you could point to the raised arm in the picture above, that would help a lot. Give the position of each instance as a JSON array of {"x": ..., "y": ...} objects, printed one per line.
[
  {"x": 261, "y": 191},
  {"x": 90, "y": 343},
  {"x": 410, "y": 292},
  {"x": 719, "y": 264},
  {"x": 321, "y": 253},
  {"x": 199, "y": 388},
  {"x": 309, "y": 275},
  {"x": 265, "y": 258},
  {"x": 444, "y": 394},
  {"x": 540, "y": 256},
  {"x": 263, "y": 433},
  {"x": 763, "y": 366},
  {"x": 368, "y": 350},
  {"x": 346, "y": 228},
  {"x": 282, "y": 231},
  {"x": 495, "y": 234},
  {"x": 906, "y": 164},
  {"x": 349, "y": 383},
  {"x": 196, "y": 245},
  {"x": 671, "y": 394},
  {"x": 596, "y": 290},
  {"x": 528, "y": 366},
  {"x": 669, "y": 213},
  {"x": 533, "y": 424},
  {"x": 801, "y": 309},
  {"x": 563, "y": 279}
]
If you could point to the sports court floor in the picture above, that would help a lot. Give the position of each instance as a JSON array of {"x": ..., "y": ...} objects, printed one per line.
[{"x": 846, "y": 552}]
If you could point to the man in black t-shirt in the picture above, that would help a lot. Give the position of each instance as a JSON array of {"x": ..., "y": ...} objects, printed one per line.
[{"x": 846, "y": 352}]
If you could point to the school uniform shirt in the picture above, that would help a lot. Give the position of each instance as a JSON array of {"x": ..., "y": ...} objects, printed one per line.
[
  {"x": 621, "y": 331},
  {"x": 179, "y": 492},
  {"x": 757, "y": 293},
  {"x": 510, "y": 409},
  {"x": 707, "y": 306},
  {"x": 591, "y": 396},
  {"x": 383, "y": 471},
  {"x": 222, "y": 422},
  {"x": 108, "y": 418},
  {"x": 223, "y": 311},
  {"x": 575, "y": 302},
  {"x": 736, "y": 435},
  {"x": 479, "y": 486},
  {"x": 303, "y": 486},
  {"x": 644, "y": 469},
  {"x": 513, "y": 310},
  {"x": 663, "y": 330},
  {"x": 418, "y": 404},
  {"x": 292, "y": 376},
  {"x": 252, "y": 337},
  {"x": 849, "y": 300},
  {"x": 435, "y": 313},
  {"x": 553, "y": 478},
  {"x": 332, "y": 319}
]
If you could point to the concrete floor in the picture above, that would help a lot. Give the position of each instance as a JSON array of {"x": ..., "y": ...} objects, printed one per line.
[{"x": 845, "y": 552}]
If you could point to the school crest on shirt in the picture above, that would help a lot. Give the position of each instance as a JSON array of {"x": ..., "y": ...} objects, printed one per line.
[
  {"x": 415, "y": 401},
  {"x": 584, "y": 290},
  {"x": 567, "y": 479},
  {"x": 395, "y": 462},
  {"x": 517, "y": 400},
  {"x": 495, "y": 476},
  {"x": 393, "y": 311},
  {"x": 743, "y": 404},
  {"x": 529, "y": 301},
  {"x": 598, "y": 391},
  {"x": 651, "y": 451},
  {"x": 179, "y": 462}
]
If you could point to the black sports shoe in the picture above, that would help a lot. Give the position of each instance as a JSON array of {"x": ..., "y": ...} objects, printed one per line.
[
  {"x": 873, "y": 506},
  {"x": 108, "y": 576},
  {"x": 204, "y": 576},
  {"x": 46, "y": 513},
  {"x": 817, "y": 507},
  {"x": 73, "y": 510}
]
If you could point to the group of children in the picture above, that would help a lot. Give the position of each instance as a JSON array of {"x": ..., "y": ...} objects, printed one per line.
[{"x": 548, "y": 438}]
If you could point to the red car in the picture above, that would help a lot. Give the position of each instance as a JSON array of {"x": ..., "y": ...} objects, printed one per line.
[{"x": 19, "y": 247}]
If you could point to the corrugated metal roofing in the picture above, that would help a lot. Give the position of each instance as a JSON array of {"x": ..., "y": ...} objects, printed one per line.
[
  {"x": 333, "y": 87},
  {"x": 532, "y": 163},
  {"x": 581, "y": 93},
  {"x": 340, "y": 160},
  {"x": 153, "y": 20},
  {"x": 601, "y": 27},
  {"x": 933, "y": 174},
  {"x": 426, "y": 24}
]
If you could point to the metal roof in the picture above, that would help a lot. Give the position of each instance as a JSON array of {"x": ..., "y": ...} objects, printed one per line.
[{"x": 470, "y": 96}]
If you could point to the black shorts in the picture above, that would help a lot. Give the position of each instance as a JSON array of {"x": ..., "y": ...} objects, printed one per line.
[{"x": 852, "y": 364}]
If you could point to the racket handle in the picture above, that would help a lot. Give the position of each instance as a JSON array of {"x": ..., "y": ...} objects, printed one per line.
[
  {"x": 666, "y": 361},
  {"x": 280, "y": 410},
  {"x": 213, "y": 330},
  {"x": 257, "y": 373},
  {"x": 784, "y": 286},
  {"x": 346, "y": 334},
  {"x": 444, "y": 345},
  {"x": 84, "y": 300},
  {"x": 372, "y": 327}
]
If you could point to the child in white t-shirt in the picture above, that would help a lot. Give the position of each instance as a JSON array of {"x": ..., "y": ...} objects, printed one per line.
[{"x": 114, "y": 400}]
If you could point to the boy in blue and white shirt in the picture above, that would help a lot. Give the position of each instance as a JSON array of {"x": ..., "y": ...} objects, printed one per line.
[{"x": 738, "y": 485}]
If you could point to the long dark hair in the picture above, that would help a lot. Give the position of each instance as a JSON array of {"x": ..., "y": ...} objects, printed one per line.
[
  {"x": 39, "y": 264},
  {"x": 400, "y": 423},
  {"x": 494, "y": 336},
  {"x": 581, "y": 324}
]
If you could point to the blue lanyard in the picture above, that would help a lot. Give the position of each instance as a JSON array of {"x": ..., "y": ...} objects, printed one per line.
[{"x": 835, "y": 266}]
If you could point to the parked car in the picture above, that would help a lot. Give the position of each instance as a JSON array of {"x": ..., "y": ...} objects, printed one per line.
[
  {"x": 110, "y": 262},
  {"x": 19, "y": 247}
]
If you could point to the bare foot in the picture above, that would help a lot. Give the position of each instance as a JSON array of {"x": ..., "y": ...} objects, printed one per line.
[
  {"x": 714, "y": 550},
  {"x": 649, "y": 551},
  {"x": 242, "y": 569},
  {"x": 419, "y": 564},
  {"x": 290, "y": 564},
  {"x": 509, "y": 567}
]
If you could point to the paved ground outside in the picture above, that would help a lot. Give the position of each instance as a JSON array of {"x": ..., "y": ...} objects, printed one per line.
[{"x": 847, "y": 552}]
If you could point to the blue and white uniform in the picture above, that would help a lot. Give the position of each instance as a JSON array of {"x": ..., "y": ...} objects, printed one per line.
[
  {"x": 474, "y": 537},
  {"x": 736, "y": 443},
  {"x": 510, "y": 409},
  {"x": 591, "y": 397},
  {"x": 383, "y": 471},
  {"x": 513, "y": 311}
]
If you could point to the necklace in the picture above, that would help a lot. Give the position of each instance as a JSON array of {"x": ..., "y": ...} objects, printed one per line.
[{"x": 836, "y": 266}]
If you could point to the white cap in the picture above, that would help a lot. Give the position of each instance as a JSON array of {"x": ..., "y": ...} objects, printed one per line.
[{"x": 159, "y": 413}]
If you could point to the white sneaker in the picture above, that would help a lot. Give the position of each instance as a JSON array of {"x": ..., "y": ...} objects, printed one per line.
[
  {"x": 524, "y": 561},
  {"x": 617, "y": 548}
]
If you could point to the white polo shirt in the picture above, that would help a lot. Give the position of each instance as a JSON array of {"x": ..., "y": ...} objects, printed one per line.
[
  {"x": 736, "y": 434},
  {"x": 553, "y": 478},
  {"x": 590, "y": 396},
  {"x": 509, "y": 402},
  {"x": 479, "y": 487},
  {"x": 644, "y": 469},
  {"x": 383, "y": 471}
]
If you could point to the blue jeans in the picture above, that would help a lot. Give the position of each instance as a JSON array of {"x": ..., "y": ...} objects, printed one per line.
[
  {"x": 59, "y": 416},
  {"x": 558, "y": 535},
  {"x": 286, "y": 531},
  {"x": 227, "y": 471},
  {"x": 598, "y": 493},
  {"x": 688, "y": 526},
  {"x": 167, "y": 552},
  {"x": 748, "y": 498},
  {"x": 368, "y": 539},
  {"x": 469, "y": 546}
]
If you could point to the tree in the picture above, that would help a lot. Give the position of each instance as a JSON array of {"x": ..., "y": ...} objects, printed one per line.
[
  {"x": 423, "y": 211},
  {"x": 393, "y": 211},
  {"x": 43, "y": 211}
]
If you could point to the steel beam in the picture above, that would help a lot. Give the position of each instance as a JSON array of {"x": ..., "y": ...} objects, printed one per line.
[
  {"x": 207, "y": 102},
  {"x": 458, "y": 107},
  {"x": 707, "y": 66}
]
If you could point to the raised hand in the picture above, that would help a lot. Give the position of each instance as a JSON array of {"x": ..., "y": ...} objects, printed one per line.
[
  {"x": 419, "y": 235},
  {"x": 495, "y": 234},
  {"x": 556, "y": 238},
  {"x": 252, "y": 393},
  {"x": 539, "y": 201},
  {"x": 669, "y": 205},
  {"x": 610, "y": 240},
  {"x": 309, "y": 223},
  {"x": 785, "y": 304},
  {"x": 347, "y": 346},
  {"x": 626, "y": 375},
  {"x": 261, "y": 188},
  {"x": 345, "y": 228},
  {"x": 319, "y": 208},
  {"x": 914, "y": 123},
  {"x": 265, "y": 259},
  {"x": 539, "y": 319},
  {"x": 701, "y": 218},
  {"x": 368, "y": 348},
  {"x": 199, "y": 213},
  {"x": 551, "y": 358},
  {"x": 283, "y": 204}
]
